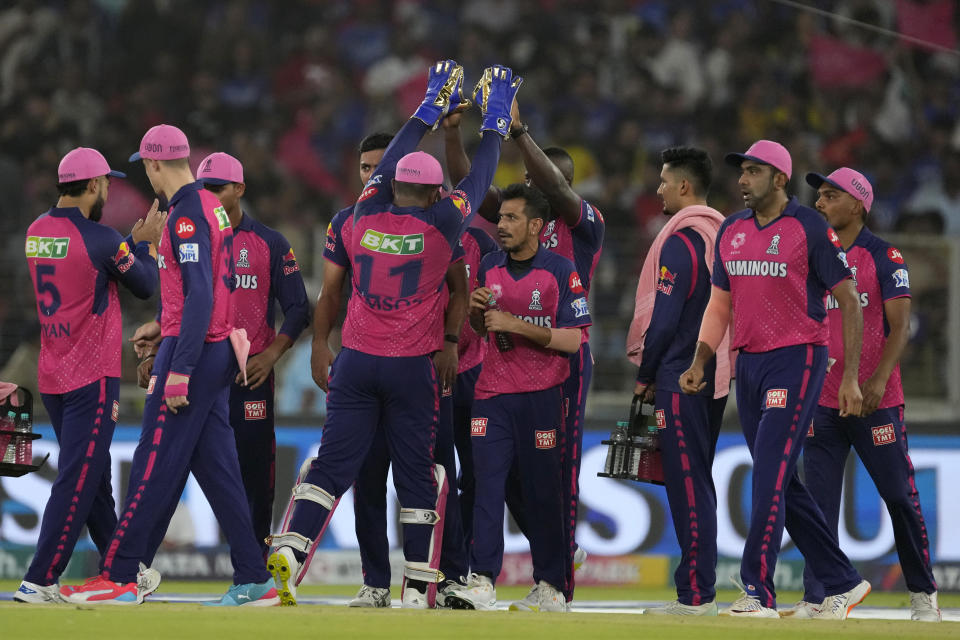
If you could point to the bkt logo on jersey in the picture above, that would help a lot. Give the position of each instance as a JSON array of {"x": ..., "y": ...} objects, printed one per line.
[
  {"x": 40, "y": 247},
  {"x": 403, "y": 245}
]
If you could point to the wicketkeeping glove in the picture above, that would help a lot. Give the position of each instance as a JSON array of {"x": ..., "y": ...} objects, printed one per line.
[
  {"x": 495, "y": 93},
  {"x": 444, "y": 94}
]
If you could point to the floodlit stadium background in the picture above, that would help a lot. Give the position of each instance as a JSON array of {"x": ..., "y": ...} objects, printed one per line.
[{"x": 291, "y": 87}]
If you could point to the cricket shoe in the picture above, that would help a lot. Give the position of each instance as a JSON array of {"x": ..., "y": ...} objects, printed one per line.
[
  {"x": 479, "y": 594},
  {"x": 923, "y": 606},
  {"x": 530, "y": 602},
  {"x": 838, "y": 607},
  {"x": 31, "y": 593},
  {"x": 283, "y": 566},
  {"x": 371, "y": 598},
  {"x": 147, "y": 580},
  {"x": 677, "y": 608},
  {"x": 99, "y": 590},
  {"x": 550, "y": 599},
  {"x": 413, "y": 599},
  {"x": 803, "y": 610},
  {"x": 579, "y": 558},
  {"x": 747, "y": 606},
  {"x": 446, "y": 588},
  {"x": 250, "y": 594}
]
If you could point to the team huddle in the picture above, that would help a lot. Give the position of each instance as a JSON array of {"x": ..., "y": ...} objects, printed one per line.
[{"x": 457, "y": 347}]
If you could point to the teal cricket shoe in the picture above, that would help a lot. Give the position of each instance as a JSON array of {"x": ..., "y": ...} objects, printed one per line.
[{"x": 249, "y": 595}]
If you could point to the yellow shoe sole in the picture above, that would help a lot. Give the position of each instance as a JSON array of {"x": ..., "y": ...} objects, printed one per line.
[{"x": 279, "y": 568}]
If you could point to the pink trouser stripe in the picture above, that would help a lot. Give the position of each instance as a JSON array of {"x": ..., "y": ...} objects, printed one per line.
[{"x": 694, "y": 549}]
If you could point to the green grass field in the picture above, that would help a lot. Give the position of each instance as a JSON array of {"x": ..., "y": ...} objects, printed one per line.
[{"x": 187, "y": 621}]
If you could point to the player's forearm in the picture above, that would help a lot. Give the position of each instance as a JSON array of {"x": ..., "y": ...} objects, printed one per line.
[
  {"x": 325, "y": 315},
  {"x": 892, "y": 351},
  {"x": 280, "y": 345},
  {"x": 852, "y": 319},
  {"x": 476, "y": 184},
  {"x": 404, "y": 142},
  {"x": 456, "y": 311},
  {"x": 702, "y": 355},
  {"x": 458, "y": 164}
]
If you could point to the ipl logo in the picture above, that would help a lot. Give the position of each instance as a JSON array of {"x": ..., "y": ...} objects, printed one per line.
[{"x": 242, "y": 261}]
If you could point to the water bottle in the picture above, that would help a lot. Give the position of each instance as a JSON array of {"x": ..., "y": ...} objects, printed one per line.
[
  {"x": 25, "y": 425},
  {"x": 8, "y": 444},
  {"x": 617, "y": 437},
  {"x": 24, "y": 453},
  {"x": 504, "y": 341},
  {"x": 619, "y": 448}
]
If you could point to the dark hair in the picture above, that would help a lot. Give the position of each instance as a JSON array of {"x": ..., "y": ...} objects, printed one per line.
[
  {"x": 536, "y": 203},
  {"x": 413, "y": 189},
  {"x": 694, "y": 162},
  {"x": 375, "y": 141},
  {"x": 557, "y": 153},
  {"x": 73, "y": 189}
]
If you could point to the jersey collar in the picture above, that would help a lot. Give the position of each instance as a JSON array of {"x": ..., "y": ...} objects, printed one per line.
[
  {"x": 246, "y": 222},
  {"x": 184, "y": 191}
]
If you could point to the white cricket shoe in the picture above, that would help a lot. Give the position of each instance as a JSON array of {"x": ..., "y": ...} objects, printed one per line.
[
  {"x": 677, "y": 608},
  {"x": 413, "y": 599},
  {"x": 31, "y": 593},
  {"x": 147, "y": 580},
  {"x": 923, "y": 607},
  {"x": 550, "y": 599},
  {"x": 838, "y": 607},
  {"x": 579, "y": 558},
  {"x": 479, "y": 594},
  {"x": 803, "y": 610},
  {"x": 371, "y": 598},
  {"x": 446, "y": 588},
  {"x": 747, "y": 606},
  {"x": 531, "y": 602},
  {"x": 284, "y": 567}
]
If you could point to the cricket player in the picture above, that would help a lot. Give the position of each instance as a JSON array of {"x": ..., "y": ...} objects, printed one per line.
[
  {"x": 75, "y": 264},
  {"x": 575, "y": 231},
  {"x": 186, "y": 424},
  {"x": 663, "y": 336},
  {"x": 267, "y": 274},
  {"x": 400, "y": 243},
  {"x": 878, "y": 433},
  {"x": 774, "y": 263},
  {"x": 536, "y": 298}
]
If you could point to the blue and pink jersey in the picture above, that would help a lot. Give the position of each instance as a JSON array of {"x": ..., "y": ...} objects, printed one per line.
[
  {"x": 399, "y": 256},
  {"x": 476, "y": 244},
  {"x": 549, "y": 295},
  {"x": 75, "y": 265},
  {"x": 267, "y": 272},
  {"x": 581, "y": 244},
  {"x": 196, "y": 274},
  {"x": 880, "y": 274},
  {"x": 777, "y": 276}
]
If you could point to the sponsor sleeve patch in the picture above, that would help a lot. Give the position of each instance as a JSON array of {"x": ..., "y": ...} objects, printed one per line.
[
  {"x": 895, "y": 256},
  {"x": 575, "y": 284},
  {"x": 580, "y": 307},
  {"x": 901, "y": 278},
  {"x": 834, "y": 238},
  {"x": 189, "y": 252},
  {"x": 184, "y": 228},
  {"x": 459, "y": 200}
]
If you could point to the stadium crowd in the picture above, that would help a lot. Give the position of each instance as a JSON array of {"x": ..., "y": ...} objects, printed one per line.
[{"x": 292, "y": 87}]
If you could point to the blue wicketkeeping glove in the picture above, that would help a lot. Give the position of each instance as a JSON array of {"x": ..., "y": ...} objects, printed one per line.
[
  {"x": 495, "y": 93},
  {"x": 444, "y": 94}
]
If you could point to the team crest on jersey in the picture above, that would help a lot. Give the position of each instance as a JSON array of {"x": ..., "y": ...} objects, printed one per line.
[
  {"x": 894, "y": 255},
  {"x": 884, "y": 435},
  {"x": 535, "y": 301},
  {"x": 776, "y": 399},
  {"x": 901, "y": 278},
  {"x": 189, "y": 252},
  {"x": 151, "y": 384},
  {"x": 184, "y": 228},
  {"x": 255, "y": 410},
  {"x": 546, "y": 438},
  {"x": 774, "y": 248},
  {"x": 661, "y": 419},
  {"x": 580, "y": 307},
  {"x": 853, "y": 270},
  {"x": 738, "y": 240},
  {"x": 478, "y": 427},
  {"x": 549, "y": 228},
  {"x": 115, "y": 412},
  {"x": 243, "y": 262}
]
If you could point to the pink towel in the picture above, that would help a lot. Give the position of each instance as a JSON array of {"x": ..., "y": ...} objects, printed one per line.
[
  {"x": 241, "y": 348},
  {"x": 6, "y": 388},
  {"x": 706, "y": 222}
]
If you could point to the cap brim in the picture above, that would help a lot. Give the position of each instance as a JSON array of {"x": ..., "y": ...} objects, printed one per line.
[
  {"x": 816, "y": 180},
  {"x": 737, "y": 159},
  {"x": 217, "y": 181},
  {"x": 135, "y": 157},
  {"x": 117, "y": 174}
]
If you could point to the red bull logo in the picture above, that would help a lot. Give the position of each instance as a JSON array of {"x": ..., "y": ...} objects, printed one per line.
[
  {"x": 666, "y": 281},
  {"x": 122, "y": 252},
  {"x": 290, "y": 257},
  {"x": 461, "y": 204}
]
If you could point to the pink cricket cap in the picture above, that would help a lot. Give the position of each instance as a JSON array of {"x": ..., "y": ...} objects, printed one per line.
[
  {"x": 220, "y": 168},
  {"x": 162, "y": 142},
  {"x": 419, "y": 168},
  {"x": 84, "y": 163},
  {"x": 767, "y": 152},
  {"x": 848, "y": 180}
]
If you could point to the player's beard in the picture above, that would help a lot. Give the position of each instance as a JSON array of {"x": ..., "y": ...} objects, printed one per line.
[{"x": 96, "y": 210}]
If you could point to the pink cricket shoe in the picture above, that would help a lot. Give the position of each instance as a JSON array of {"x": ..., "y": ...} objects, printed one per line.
[{"x": 99, "y": 590}]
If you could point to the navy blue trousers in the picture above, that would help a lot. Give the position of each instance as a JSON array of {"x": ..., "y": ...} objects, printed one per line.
[
  {"x": 81, "y": 495},
  {"x": 880, "y": 440}
]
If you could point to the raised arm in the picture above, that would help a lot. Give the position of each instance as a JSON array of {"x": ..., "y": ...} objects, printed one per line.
[
  {"x": 545, "y": 175},
  {"x": 458, "y": 166}
]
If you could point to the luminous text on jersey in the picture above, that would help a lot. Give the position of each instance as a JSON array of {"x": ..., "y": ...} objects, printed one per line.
[
  {"x": 403, "y": 245},
  {"x": 40, "y": 247},
  {"x": 756, "y": 268}
]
